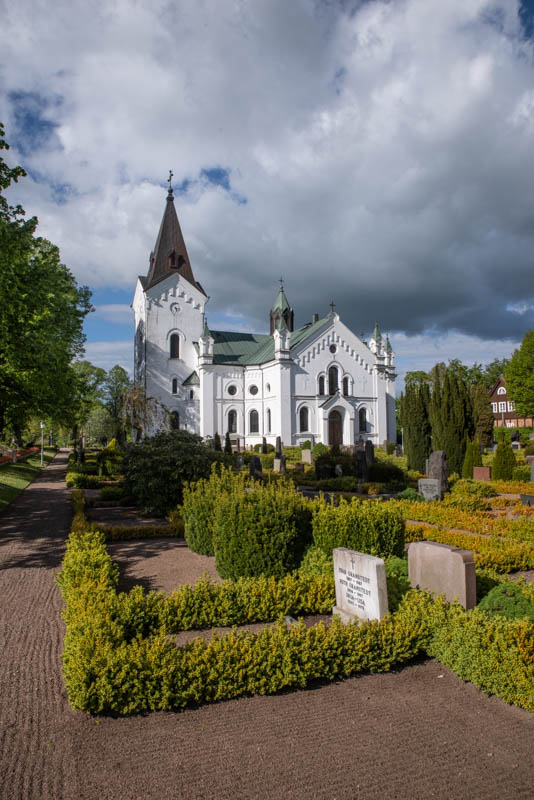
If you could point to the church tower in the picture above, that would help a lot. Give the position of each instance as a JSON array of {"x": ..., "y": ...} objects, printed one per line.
[
  {"x": 281, "y": 311},
  {"x": 169, "y": 322}
]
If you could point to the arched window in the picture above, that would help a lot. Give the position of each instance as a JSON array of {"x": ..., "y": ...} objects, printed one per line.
[
  {"x": 175, "y": 385},
  {"x": 501, "y": 390},
  {"x": 268, "y": 420},
  {"x": 304, "y": 419},
  {"x": 332, "y": 380},
  {"x": 175, "y": 346},
  {"x": 191, "y": 394},
  {"x": 362, "y": 420},
  {"x": 232, "y": 421},
  {"x": 254, "y": 421},
  {"x": 345, "y": 386},
  {"x": 175, "y": 421},
  {"x": 321, "y": 384}
]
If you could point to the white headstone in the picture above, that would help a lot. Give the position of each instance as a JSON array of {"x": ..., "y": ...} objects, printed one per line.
[
  {"x": 429, "y": 488},
  {"x": 361, "y": 589},
  {"x": 306, "y": 457}
]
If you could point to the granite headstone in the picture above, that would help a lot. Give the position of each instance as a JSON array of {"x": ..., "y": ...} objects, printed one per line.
[
  {"x": 255, "y": 468},
  {"x": 437, "y": 469},
  {"x": 361, "y": 589},
  {"x": 443, "y": 569}
]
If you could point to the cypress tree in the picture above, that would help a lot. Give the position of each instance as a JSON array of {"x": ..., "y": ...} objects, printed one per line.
[
  {"x": 227, "y": 444},
  {"x": 467, "y": 469},
  {"x": 504, "y": 463},
  {"x": 416, "y": 425},
  {"x": 450, "y": 415},
  {"x": 217, "y": 442},
  {"x": 482, "y": 415}
]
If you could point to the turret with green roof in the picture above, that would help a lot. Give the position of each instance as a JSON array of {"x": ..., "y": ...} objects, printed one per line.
[{"x": 281, "y": 310}]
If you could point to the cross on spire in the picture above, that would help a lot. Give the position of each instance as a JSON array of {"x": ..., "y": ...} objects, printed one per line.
[
  {"x": 281, "y": 282},
  {"x": 169, "y": 181},
  {"x": 332, "y": 306}
]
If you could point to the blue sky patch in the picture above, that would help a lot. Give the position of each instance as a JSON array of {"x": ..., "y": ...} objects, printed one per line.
[{"x": 32, "y": 130}]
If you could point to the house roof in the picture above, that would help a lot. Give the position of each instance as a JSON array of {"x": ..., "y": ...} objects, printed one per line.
[{"x": 234, "y": 347}]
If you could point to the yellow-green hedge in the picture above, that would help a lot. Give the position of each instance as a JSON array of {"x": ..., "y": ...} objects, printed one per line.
[{"x": 120, "y": 654}]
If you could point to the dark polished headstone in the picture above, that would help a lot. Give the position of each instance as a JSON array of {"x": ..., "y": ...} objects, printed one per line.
[
  {"x": 264, "y": 445},
  {"x": 362, "y": 471},
  {"x": 278, "y": 452},
  {"x": 437, "y": 469},
  {"x": 369, "y": 452},
  {"x": 255, "y": 469}
]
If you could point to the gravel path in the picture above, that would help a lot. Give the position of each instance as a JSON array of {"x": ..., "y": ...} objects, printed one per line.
[{"x": 418, "y": 733}]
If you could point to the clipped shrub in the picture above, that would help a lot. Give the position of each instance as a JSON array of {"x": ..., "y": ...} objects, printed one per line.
[
  {"x": 504, "y": 463},
  {"x": 385, "y": 472},
  {"x": 267, "y": 460},
  {"x": 305, "y": 445},
  {"x": 468, "y": 504},
  {"x": 79, "y": 481},
  {"x": 316, "y": 562},
  {"x": 521, "y": 474},
  {"x": 319, "y": 449},
  {"x": 263, "y": 530},
  {"x": 397, "y": 579},
  {"x": 156, "y": 469},
  {"x": 508, "y": 600},
  {"x": 368, "y": 527},
  {"x": 410, "y": 494},
  {"x": 200, "y": 503},
  {"x": 111, "y": 493},
  {"x": 470, "y": 488}
]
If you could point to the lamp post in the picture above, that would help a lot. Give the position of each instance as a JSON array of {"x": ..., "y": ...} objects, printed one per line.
[{"x": 42, "y": 443}]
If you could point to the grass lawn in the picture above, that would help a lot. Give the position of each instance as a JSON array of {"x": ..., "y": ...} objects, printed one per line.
[{"x": 15, "y": 477}]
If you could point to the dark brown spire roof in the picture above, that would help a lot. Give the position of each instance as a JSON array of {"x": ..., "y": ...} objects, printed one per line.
[{"x": 170, "y": 253}]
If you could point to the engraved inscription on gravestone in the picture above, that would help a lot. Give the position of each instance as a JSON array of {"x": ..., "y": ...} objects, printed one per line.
[
  {"x": 361, "y": 590},
  {"x": 429, "y": 488}
]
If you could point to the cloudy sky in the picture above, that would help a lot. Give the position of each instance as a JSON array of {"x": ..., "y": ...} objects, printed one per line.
[{"x": 377, "y": 154}]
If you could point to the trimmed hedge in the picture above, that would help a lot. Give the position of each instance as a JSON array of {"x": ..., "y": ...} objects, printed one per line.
[
  {"x": 119, "y": 656},
  {"x": 201, "y": 500},
  {"x": 369, "y": 527},
  {"x": 261, "y": 529}
]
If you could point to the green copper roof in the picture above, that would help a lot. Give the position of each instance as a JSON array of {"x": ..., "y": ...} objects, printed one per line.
[
  {"x": 281, "y": 324},
  {"x": 377, "y": 336},
  {"x": 233, "y": 347},
  {"x": 389, "y": 349},
  {"x": 280, "y": 304},
  {"x": 192, "y": 380}
]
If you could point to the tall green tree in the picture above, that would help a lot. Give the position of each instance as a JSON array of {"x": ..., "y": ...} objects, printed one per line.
[
  {"x": 482, "y": 415},
  {"x": 415, "y": 421},
  {"x": 519, "y": 374},
  {"x": 451, "y": 414},
  {"x": 41, "y": 319},
  {"x": 116, "y": 386}
]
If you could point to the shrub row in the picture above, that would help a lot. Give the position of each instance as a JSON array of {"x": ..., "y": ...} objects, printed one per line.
[
  {"x": 502, "y": 555},
  {"x": 118, "y": 658},
  {"x": 369, "y": 527},
  {"x": 256, "y": 528}
]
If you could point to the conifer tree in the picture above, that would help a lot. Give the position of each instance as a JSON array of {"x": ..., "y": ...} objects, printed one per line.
[
  {"x": 482, "y": 415},
  {"x": 227, "y": 444},
  {"x": 504, "y": 463},
  {"x": 450, "y": 415},
  {"x": 416, "y": 425},
  {"x": 217, "y": 442},
  {"x": 467, "y": 469}
]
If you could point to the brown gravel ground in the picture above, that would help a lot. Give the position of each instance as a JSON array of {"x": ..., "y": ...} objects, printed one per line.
[{"x": 417, "y": 733}]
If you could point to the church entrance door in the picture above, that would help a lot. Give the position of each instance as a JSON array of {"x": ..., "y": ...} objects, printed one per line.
[{"x": 335, "y": 428}]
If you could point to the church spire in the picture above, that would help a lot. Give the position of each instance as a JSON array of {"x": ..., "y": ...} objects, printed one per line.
[
  {"x": 170, "y": 253},
  {"x": 281, "y": 310}
]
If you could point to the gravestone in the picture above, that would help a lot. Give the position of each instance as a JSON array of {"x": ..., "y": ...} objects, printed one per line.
[
  {"x": 527, "y": 499},
  {"x": 279, "y": 464},
  {"x": 429, "y": 488},
  {"x": 278, "y": 452},
  {"x": 239, "y": 461},
  {"x": 437, "y": 469},
  {"x": 361, "y": 589},
  {"x": 306, "y": 456},
  {"x": 299, "y": 466},
  {"x": 482, "y": 473},
  {"x": 255, "y": 468},
  {"x": 369, "y": 452},
  {"x": 338, "y": 471},
  {"x": 324, "y": 472},
  {"x": 529, "y": 459},
  {"x": 443, "y": 569},
  {"x": 264, "y": 446},
  {"x": 362, "y": 472}
]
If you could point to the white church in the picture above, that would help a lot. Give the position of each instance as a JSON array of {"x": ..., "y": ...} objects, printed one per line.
[{"x": 318, "y": 383}]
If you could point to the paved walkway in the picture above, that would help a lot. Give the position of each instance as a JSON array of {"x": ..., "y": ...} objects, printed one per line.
[{"x": 419, "y": 733}]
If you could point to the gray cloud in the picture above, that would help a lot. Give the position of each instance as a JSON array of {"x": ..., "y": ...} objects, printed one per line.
[{"x": 379, "y": 155}]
